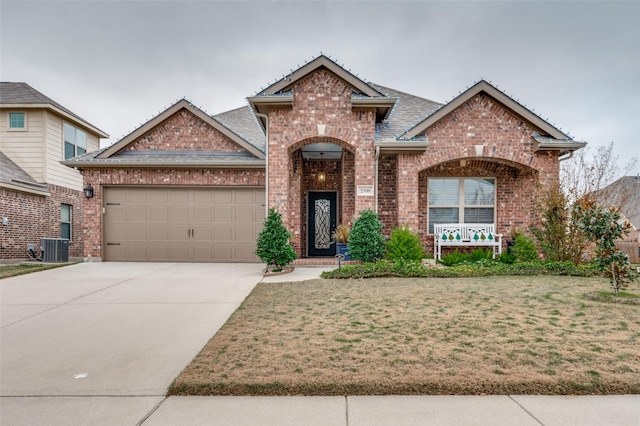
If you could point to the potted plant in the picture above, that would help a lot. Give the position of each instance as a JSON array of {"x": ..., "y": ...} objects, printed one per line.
[{"x": 341, "y": 236}]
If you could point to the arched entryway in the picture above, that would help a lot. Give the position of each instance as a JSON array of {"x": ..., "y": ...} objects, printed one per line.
[{"x": 322, "y": 196}]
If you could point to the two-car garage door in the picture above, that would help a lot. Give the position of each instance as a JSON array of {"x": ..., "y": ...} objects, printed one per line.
[{"x": 182, "y": 224}]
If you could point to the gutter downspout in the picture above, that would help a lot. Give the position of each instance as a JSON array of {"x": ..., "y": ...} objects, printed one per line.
[
  {"x": 568, "y": 157},
  {"x": 375, "y": 189},
  {"x": 266, "y": 168}
]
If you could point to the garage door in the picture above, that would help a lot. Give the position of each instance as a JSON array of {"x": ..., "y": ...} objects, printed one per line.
[{"x": 182, "y": 224}]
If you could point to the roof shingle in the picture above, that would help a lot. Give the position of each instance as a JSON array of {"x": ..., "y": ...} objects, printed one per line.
[
  {"x": 12, "y": 174},
  {"x": 23, "y": 94}
]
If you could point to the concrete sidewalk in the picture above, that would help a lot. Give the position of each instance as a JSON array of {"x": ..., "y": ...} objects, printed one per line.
[
  {"x": 99, "y": 343},
  {"x": 497, "y": 410},
  {"x": 400, "y": 411}
]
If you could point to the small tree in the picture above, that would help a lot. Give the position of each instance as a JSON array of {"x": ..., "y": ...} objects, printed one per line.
[
  {"x": 604, "y": 226},
  {"x": 404, "y": 244},
  {"x": 366, "y": 242},
  {"x": 582, "y": 178},
  {"x": 560, "y": 237},
  {"x": 273, "y": 246}
]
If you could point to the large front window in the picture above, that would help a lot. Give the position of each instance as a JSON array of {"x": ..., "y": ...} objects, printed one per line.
[
  {"x": 75, "y": 141},
  {"x": 461, "y": 200}
]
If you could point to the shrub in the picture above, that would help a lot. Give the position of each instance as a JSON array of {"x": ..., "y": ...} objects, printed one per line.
[
  {"x": 524, "y": 249},
  {"x": 560, "y": 238},
  {"x": 481, "y": 254},
  {"x": 407, "y": 268},
  {"x": 506, "y": 257},
  {"x": 402, "y": 268},
  {"x": 454, "y": 258},
  {"x": 273, "y": 246},
  {"x": 604, "y": 227},
  {"x": 404, "y": 244},
  {"x": 366, "y": 242}
]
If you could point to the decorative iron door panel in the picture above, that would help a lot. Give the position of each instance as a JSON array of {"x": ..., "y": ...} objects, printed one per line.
[{"x": 322, "y": 223}]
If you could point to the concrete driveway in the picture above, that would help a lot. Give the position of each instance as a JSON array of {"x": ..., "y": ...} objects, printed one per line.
[
  {"x": 99, "y": 343},
  {"x": 78, "y": 342}
]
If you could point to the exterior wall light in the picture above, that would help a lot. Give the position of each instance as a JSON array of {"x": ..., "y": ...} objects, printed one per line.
[
  {"x": 88, "y": 191},
  {"x": 321, "y": 175}
]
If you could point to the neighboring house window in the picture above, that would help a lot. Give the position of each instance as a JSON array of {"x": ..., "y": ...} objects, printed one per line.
[
  {"x": 17, "y": 121},
  {"x": 75, "y": 141},
  {"x": 461, "y": 200},
  {"x": 65, "y": 221}
]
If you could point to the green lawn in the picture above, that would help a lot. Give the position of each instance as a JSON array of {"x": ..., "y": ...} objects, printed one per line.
[
  {"x": 7, "y": 271},
  {"x": 485, "y": 335}
]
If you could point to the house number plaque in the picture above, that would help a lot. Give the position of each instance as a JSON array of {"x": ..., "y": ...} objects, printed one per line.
[{"x": 365, "y": 190}]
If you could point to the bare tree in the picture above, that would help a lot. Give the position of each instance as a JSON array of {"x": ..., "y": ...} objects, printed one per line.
[{"x": 587, "y": 174}]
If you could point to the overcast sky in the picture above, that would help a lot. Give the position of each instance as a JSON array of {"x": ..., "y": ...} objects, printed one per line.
[{"x": 119, "y": 63}]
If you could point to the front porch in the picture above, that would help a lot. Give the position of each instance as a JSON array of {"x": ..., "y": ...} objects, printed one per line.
[{"x": 322, "y": 189}]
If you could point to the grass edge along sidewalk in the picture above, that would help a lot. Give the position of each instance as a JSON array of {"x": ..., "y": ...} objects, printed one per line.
[
  {"x": 14, "y": 270},
  {"x": 479, "y": 335}
]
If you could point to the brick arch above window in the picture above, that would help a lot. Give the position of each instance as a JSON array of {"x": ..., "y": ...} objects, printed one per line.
[
  {"x": 479, "y": 166},
  {"x": 434, "y": 156},
  {"x": 309, "y": 141}
]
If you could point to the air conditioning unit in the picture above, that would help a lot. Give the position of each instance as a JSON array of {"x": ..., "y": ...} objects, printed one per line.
[{"x": 54, "y": 249}]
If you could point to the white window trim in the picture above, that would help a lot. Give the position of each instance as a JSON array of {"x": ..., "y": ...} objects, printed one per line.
[
  {"x": 70, "y": 220},
  {"x": 461, "y": 204},
  {"x": 75, "y": 149},
  {"x": 17, "y": 129}
]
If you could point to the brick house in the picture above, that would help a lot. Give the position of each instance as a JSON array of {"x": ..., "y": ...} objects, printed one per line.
[
  {"x": 39, "y": 197},
  {"x": 320, "y": 145}
]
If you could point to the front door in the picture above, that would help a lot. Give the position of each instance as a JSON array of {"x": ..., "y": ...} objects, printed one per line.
[{"x": 322, "y": 222}]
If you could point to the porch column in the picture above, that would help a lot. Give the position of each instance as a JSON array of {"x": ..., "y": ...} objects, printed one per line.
[
  {"x": 407, "y": 191},
  {"x": 365, "y": 168}
]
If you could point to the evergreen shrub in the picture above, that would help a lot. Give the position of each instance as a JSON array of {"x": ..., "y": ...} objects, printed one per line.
[
  {"x": 366, "y": 242},
  {"x": 524, "y": 249},
  {"x": 273, "y": 246},
  {"x": 404, "y": 244}
]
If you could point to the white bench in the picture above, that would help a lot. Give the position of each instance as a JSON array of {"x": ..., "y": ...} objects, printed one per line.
[{"x": 466, "y": 235}]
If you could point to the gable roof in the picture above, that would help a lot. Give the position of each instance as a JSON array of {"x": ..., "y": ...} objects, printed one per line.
[
  {"x": 552, "y": 134},
  {"x": 624, "y": 194},
  {"x": 21, "y": 95},
  {"x": 322, "y": 61},
  {"x": 280, "y": 94},
  {"x": 117, "y": 155},
  {"x": 15, "y": 178},
  {"x": 408, "y": 110},
  {"x": 400, "y": 120},
  {"x": 242, "y": 122},
  {"x": 121, "y": 145}
]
